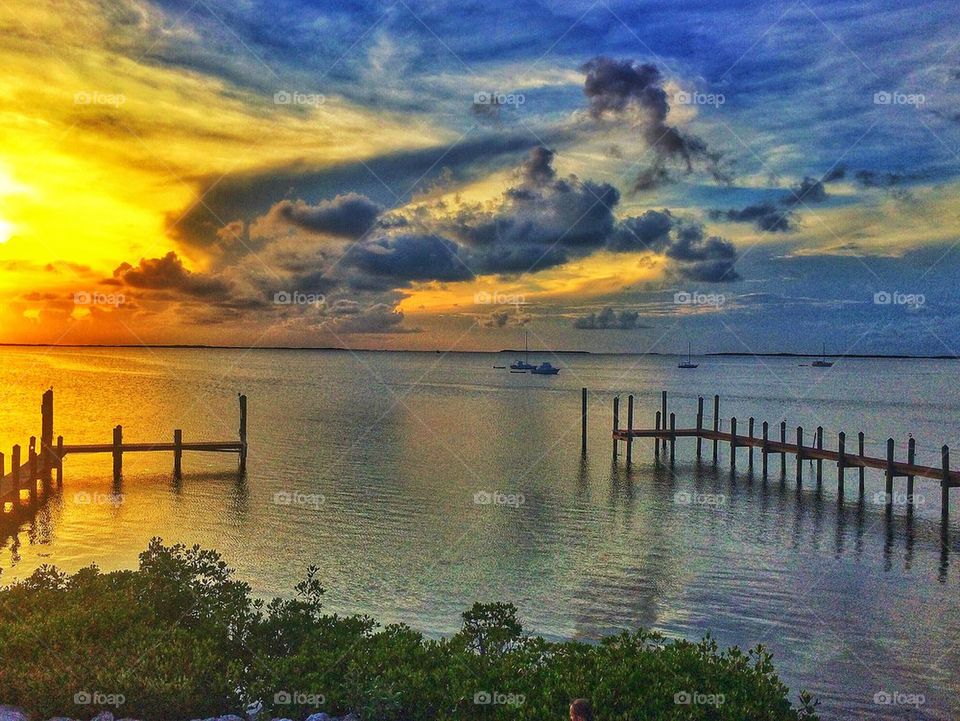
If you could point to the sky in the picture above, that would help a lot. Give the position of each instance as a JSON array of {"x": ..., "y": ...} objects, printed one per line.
[{"x": 603, "y": 176}]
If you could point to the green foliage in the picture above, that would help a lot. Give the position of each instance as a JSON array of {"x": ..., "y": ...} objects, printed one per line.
[{"x": 181, "y": 638}]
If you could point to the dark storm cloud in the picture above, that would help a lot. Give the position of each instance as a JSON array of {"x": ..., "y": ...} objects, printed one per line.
[
  {"x": 609, "y": 319},
  {"x": 708, "y": 259},
  {"x": 377, "y": 318},
  {"x": 407, "y": 257},
  {"x": 694, "y": 255},
  {"x": 625, "y": 89},
  {"x": 647, "y": 232},
  {"x": 251, "y": 194},
  {"x": 770, "y": 217},
  {"x": 539, "y": 223},
  {"x": 765, "y": 216},
  {"x": 168, "y": 274},
  {"x": 347, "y": 216}
]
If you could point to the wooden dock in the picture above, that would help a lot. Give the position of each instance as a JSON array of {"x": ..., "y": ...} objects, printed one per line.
[
  {"x": 46, "y": 457},
  {"x": 665, "y": 434}
]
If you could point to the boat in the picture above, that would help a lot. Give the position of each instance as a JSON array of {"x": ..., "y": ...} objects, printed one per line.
[
  {"x": 545, "y": 369},
  {"x": 687, "y": 363},
  {"x": 822, "y": 361},
  {"x": 525, "y": 364}
]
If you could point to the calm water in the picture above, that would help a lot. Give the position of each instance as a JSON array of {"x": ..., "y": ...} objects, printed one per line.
[{"x": 368, "y": 466}]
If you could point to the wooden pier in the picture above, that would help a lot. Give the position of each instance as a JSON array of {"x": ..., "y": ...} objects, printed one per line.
[
  {"x": 665, "y": 434},
  {"x": 43, "y": 459}
]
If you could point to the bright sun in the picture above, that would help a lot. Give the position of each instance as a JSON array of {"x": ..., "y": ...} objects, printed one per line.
[{"x": 6, "y": 230}]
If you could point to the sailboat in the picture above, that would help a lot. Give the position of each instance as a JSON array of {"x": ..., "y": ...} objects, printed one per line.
[
  {"x": 822, "y": 361},
  {"x": 525, "y": 364},
  {"x": 687, "y": 363}
]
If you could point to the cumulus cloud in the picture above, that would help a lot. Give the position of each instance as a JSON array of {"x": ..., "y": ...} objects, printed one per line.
[
  {"x": 623, "y": 90},
  {"x": 609, "y": 319},
  {"x": 347, "y": 216},
  {"x": 169, "y": 274},
  {"x": 504, "y": 318},
  {"x": 377, "y": 318}
]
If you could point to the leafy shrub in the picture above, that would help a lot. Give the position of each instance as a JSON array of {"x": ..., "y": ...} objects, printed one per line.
[{"x": 180, "y": 638}]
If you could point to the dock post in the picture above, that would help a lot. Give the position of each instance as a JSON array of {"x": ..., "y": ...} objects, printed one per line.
[
  {"x": 733, "y": 442},
  {"x": 117, "y": 453},
  {"x": 15, "y": 468},
  {"x": 243, "y": 433},
  {"x": 911, "y": 458},
  {"x": 750, "y": 452},
  {"x": 783, "y": 452},
  {"x": 46, "y": 433},
  {"x": 629, "y": 429},
  {"x": 699, "y": 425},
  {"x": 616, "y": 424},
  {"x": 673, "y": 435},
  {"x": 799, "y": 456},
  {"x": 860, "y": 446},
  {"x": 819, "y": 460},
  {"x": 763, "y": 448},
  {"x": 583, "y": 421},
  {"x": 945, "y": 490},
  {"x": 841, "y": 461},
  {"x": 656, "y": 440},
  {"x": 663, "y": 410},
  {"x": 889, "y": 498},
  {"x": 32, "y": 469},
  {"x": 177, "y": 452},
  {"x": 59, "y": 460},
  {"x": 32, "y": 459},
  {"x": 716, "y": 425}
]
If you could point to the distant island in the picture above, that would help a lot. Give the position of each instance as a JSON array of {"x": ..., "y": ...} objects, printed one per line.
[{"x": 731, "y": 354}]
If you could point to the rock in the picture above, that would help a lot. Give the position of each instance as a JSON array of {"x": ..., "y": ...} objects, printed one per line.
[
  {"x": 254, "y": 710},
  {"x": 9, "y": 713},
  {"x": 103, "y": 716},
  {"x": 319, "y": 717}
]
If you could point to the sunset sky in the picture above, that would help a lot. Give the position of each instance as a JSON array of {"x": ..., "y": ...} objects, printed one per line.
[{"x": 622, "y": 176}]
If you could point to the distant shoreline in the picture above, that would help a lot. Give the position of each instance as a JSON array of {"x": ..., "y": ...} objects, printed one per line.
[{"x": 732, "y": 354}]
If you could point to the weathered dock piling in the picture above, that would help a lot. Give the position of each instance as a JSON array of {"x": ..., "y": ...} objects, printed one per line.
[
  {"x": 661, "y": 434},
  {"x": 583, "y": 421}
]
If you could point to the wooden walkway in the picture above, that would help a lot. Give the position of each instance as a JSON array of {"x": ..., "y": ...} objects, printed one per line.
[
  {"x": 46, "y": 457},
  {"x": 665, "y": 435}
]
